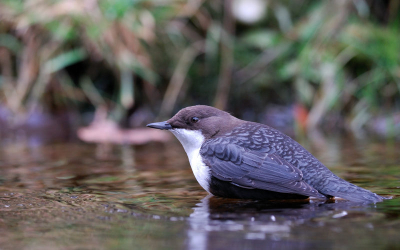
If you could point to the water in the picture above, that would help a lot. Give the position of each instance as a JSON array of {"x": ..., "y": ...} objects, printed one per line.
[{"x": 80, "y": 196}]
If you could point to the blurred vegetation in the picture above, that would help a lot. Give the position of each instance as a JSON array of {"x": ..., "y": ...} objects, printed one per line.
[{"x": 326, "y": 59}]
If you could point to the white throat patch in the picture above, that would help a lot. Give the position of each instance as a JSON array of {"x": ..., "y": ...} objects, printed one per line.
[{"x": 191, "y": 141}]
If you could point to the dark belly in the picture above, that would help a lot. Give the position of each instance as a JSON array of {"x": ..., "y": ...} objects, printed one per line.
[{"x": 228, "y": 190}]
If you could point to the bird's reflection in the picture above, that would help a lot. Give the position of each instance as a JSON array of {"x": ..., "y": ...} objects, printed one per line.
[{"x": 258, "y": 222}]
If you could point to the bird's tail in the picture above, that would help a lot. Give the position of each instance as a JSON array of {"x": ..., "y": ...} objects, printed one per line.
[
  {"x": 346, "y": 190},
  {"x": 361, "y": 195}
]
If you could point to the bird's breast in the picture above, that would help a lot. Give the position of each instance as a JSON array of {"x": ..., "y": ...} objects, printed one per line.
[
  {"x": 200, "y": 170},
  {"x": 192, "y": 141}
]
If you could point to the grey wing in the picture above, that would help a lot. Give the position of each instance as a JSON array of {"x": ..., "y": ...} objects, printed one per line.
[{"x": 254, "y": 170}]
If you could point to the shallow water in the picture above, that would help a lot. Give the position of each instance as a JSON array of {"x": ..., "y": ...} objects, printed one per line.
[{"x": 80, "y": 196}]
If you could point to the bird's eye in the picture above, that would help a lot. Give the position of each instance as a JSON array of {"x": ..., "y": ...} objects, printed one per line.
[{"x": 194, "y": 119}]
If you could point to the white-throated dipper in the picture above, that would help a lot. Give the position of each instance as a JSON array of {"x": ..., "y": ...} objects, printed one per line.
[{"x": 233, "y": 158}]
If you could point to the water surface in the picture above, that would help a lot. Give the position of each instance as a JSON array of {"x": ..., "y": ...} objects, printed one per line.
[{"x": 81, "y": 196}]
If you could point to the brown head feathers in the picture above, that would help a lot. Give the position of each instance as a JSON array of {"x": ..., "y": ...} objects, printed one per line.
[{"x": 211, "y": 121}]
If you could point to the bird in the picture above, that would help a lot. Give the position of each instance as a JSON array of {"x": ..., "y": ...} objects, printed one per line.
[{"x": 240, "y": 159}]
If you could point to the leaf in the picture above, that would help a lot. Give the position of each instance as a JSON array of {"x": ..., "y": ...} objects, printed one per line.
[
  {"x": 10, "y": 42},
  {"x": 64, "y": 60},
  {"x": 261, "y": 39}
]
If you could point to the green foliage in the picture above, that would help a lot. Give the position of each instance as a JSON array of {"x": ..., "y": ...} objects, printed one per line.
[{"x": 330, "y": 56}]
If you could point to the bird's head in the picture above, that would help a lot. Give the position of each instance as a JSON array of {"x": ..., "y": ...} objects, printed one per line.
[{"x": 210, "y": 121}]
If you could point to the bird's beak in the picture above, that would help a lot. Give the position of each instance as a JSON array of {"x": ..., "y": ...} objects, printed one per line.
[{"x": 160, "y": 125}]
